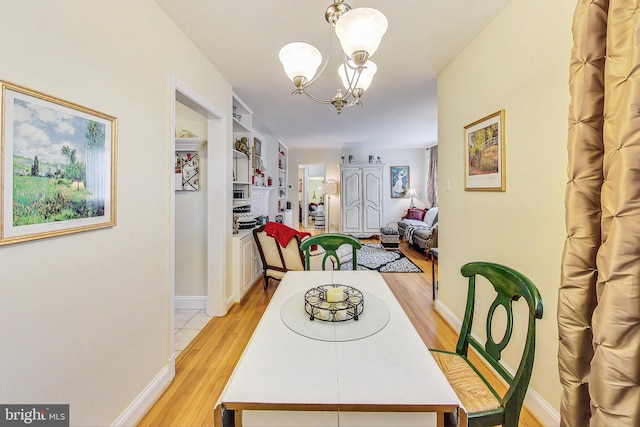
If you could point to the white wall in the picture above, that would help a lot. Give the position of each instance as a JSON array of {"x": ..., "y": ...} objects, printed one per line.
[
  {"x": 415, "y": 158},
  {"x": 86, "y": 316},
  {"x": 518, "y": 63}
]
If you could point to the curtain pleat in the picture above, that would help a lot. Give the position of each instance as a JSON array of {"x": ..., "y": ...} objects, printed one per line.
[
  {"x": 599, "y": 296},
  {"x": 615, "y": 368},
  {"x": 432, "y": 179}
]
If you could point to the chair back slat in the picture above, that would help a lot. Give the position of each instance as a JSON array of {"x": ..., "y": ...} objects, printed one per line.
[
  {"x": 495, "y": 348},
  {"x": 330, "y": 242}
]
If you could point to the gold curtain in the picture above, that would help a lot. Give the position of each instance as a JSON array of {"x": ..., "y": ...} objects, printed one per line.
[{"x": 599, "y": 297}]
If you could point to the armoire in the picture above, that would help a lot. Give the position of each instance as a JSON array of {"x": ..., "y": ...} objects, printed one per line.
[{"x": 361, "y": 208}]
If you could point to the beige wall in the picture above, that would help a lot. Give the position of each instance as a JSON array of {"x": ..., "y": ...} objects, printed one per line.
[
  {"x": 86, "y": 316},
  {"x": 518, "y": 63}
]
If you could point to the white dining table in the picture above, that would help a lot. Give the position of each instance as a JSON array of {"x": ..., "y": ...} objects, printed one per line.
[{"x": 285, "y": 378}]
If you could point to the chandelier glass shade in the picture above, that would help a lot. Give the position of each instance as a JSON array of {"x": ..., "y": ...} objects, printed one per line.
[
  {"x": 300, "y": 60},
  {"x": 360, "y": 32},
  {"x": 347, "y": 72}
]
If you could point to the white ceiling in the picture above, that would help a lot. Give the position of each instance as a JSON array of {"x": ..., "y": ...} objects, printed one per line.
[{"x": 242, "y": 39}]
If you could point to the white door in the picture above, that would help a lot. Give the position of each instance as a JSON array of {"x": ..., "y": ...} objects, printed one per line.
[
  {"x": 372, "y": 200},
  {"x": 351, "y": 200}
]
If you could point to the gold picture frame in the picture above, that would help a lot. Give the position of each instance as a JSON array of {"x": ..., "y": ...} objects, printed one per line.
[
  {"x": 58, "y": 166},
  {"x": 484, "y": 154}
]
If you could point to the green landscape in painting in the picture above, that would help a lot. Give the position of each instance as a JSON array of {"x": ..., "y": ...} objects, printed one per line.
[{"x": 46, "y": 193}]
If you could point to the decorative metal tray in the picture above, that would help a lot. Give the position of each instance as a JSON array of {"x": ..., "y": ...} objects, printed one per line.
[{"x": 334, "y": 303}]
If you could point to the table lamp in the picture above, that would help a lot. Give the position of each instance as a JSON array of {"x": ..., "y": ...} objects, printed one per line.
[{"x": 412, "y": 193}]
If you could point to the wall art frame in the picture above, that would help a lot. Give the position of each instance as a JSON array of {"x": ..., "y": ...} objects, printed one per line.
[
  {"x": 484, "y": 154},
  {"x": 58, "y": 166},
  {"x": 400, "y": 181}
]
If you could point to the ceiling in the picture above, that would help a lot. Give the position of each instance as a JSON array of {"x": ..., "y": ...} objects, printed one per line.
[{"x": 242, "y": 38}]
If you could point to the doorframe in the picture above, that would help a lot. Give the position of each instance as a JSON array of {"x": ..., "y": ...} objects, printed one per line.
[
  {"x": 304, "y": 169},
  {"x": 216, "y": 230}
]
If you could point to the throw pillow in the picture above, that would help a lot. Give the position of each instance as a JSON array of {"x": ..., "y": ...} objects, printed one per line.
[{"x": 414, "y": 213}]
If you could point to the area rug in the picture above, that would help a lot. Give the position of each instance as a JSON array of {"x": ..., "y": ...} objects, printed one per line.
[{"x": 373, "y": 257}]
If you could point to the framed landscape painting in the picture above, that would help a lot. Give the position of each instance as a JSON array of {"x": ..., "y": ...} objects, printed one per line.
[
  {"x": 484, "y": 148},
  {"x": 58, "y": 165},
  {"x": 399, "y": 181}
]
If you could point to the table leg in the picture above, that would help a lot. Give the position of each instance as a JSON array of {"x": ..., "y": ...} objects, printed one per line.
[
  {"x": 223, "y": 417},
  {"x": 434, "y": 284}
]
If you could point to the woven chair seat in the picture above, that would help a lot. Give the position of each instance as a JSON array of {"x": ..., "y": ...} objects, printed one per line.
[{"x": 472, "y": 391}]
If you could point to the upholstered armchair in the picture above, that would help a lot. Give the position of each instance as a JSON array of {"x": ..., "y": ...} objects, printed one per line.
[{"x": 279, "y": 248}]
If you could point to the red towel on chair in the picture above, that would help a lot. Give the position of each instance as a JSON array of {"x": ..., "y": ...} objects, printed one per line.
[{"x": 282, "y": 233}]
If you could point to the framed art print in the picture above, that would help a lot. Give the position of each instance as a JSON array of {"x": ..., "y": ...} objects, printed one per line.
[
  {"x": 399, "y": 181},
  {"x": 58, "y": 162},
  {"x": 484, "y": 154}
]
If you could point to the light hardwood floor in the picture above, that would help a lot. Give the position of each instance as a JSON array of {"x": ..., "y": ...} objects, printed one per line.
[{"x": 204, "y": 367}]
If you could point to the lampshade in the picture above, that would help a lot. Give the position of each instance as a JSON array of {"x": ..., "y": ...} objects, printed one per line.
[
  {"x": 300, "y": 60},
  {"x": 361, "y": 29},
  {"x": 411, "y": 193},
  {"x": 366, "y": 76}
]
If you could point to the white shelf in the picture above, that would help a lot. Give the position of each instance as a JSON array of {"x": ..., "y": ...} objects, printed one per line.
[
  {"x": 238, "y": 126},
  {"x": 239, "y": 154},
  {"x": 189, "y": 144}
]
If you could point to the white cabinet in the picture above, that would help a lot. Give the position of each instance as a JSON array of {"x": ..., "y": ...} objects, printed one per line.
[
  {"x": 248, "y": 158},
  {"x": 287, "y": 217},
  {"x": 361, "y": 208},
  {"x": 247, "y": 266}
]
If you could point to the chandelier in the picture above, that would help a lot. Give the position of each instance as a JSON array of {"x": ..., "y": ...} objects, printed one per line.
[{"x": 360, "y": 32}]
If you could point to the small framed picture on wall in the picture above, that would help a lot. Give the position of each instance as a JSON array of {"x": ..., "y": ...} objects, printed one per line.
[
  {"x": 484, "y": 154},
  {"x": 399, "y": 181}
]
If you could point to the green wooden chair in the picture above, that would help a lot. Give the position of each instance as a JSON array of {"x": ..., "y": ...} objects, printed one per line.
[
  {"x": 484, "y": 406},
  {"x": 330, "y": 242}
]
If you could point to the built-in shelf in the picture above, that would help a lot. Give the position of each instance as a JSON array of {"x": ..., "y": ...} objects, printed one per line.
[{"x": 282, "y": 176}]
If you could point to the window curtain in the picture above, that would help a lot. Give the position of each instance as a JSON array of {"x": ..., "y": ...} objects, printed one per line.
[
  {"x": 599, "y": 296},
  {"x": 432, "y": 177}
]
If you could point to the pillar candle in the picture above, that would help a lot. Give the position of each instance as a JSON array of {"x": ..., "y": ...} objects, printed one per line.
[{"x": 335, "y": 295}]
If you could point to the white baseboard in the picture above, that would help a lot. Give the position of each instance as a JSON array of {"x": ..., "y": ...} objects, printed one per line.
[
  {"x": 190, "y": 303},
  {"x": 536, "y": 404},
  {"x": 547, "y": 415},
  {"x": 151, "y": 393},
  {"x": 448, "y": 316}
]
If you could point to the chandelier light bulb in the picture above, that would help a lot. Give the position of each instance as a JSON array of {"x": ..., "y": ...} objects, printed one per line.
[
  {"x": 300, "y": 61},
  {"x": 361, "y": 30},
  {"x": 366, "y": 76}
]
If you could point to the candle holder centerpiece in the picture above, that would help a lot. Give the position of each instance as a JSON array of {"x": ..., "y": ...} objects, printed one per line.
[{"x": 334, "y": 303}]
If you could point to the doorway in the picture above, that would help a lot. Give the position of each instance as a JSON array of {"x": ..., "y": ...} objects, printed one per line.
[
  {"x": 210, "y": 216},
  {"x": 311, "y": 198}
]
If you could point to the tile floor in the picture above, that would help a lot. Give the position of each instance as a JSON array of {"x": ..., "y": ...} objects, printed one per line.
[{"x": 188, "y": 323}]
